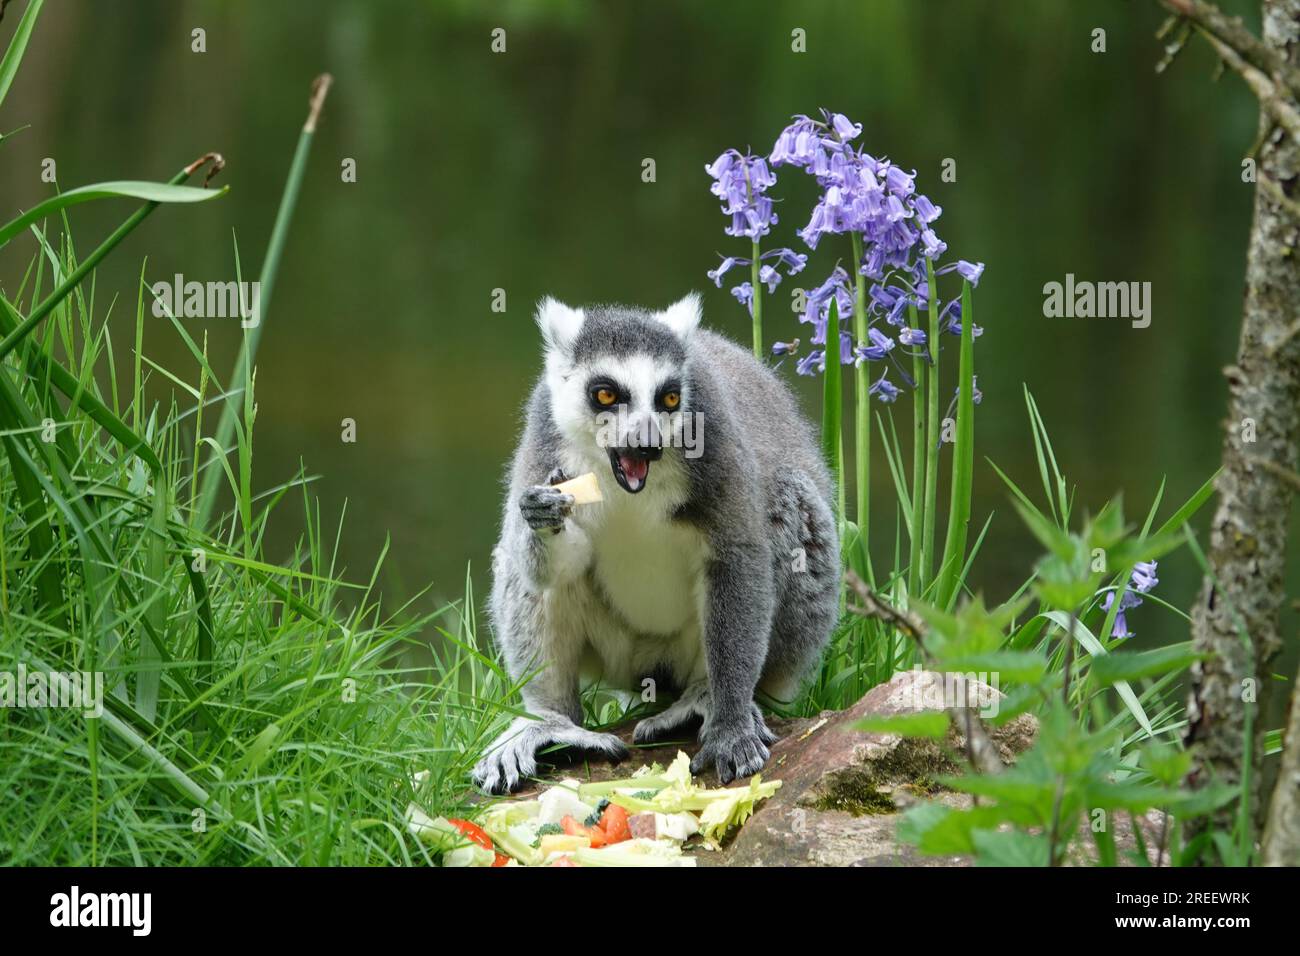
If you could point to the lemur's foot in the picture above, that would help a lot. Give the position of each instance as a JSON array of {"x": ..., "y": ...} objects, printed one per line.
[
  {"x": 513, "y": 757},
  {"x": 693, "y": 704},
  {"x": 735, "y": 751}
]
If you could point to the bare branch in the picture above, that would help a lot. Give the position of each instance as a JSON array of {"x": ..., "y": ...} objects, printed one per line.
[
  {"x": 1279, "y": 105},
  {"x": 1231, "y": 32}
]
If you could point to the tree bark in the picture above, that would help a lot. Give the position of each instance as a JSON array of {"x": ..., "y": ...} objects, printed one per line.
[
  {"x": 1282, "y": 833},
  {"x": 1249, "y": 533}
]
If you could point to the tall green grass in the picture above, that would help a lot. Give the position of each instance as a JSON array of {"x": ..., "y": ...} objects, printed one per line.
[{"x": 257, "y": 711}]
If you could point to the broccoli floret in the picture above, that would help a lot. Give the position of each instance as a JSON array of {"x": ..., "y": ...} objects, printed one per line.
[
  {"x": 594, "y": 819},
  {"x": 645, "y": 794},
  {"x": 546, "y": 829}
]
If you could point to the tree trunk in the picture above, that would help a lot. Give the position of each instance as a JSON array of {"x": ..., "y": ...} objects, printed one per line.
[
  {"x": 1282, "y": 834},
  {"x": 1249, "y": 533}
]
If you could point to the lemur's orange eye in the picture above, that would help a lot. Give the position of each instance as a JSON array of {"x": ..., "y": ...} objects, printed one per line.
[
  {"x": 672, "y": 400},
  {"x": 605, "y": 396}
]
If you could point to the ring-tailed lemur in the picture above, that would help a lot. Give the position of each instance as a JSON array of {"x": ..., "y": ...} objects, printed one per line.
[{"x": 710, "y": 566}]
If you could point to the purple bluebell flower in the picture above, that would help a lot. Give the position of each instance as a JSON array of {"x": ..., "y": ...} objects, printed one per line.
[
  {"x": 785, "y": 348},
  {"x": 817, "y": 310},
  {"x": 951, "y": 316},
  {"x": 741, "y": 182},
  {"x": 769, "y": 277},
  {"x": 900, "y": 183},
  {"x": 845, "y": 128},
  {"x": 1141, "y": 581},
  {"x": 883, "y": 389},
  {"x": 744, "y": 294},
  {"x": 970, "y": 271},
  {"x": 794, "y": 262},
  {"x": 880, "y": 346},
  {"x": 728, "y": 262},
  {"x": 812, "y": 363},
  {"x": 797, "y": 144},
  {"x": 876, "y": 200},
  {"x": 926, "y": 211},
  {"x": 932, "y": 245}
]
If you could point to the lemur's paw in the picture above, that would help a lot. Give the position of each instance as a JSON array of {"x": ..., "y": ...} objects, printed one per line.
[
  {"x": 660, "y": 726},
  {"x": 733, "y": 752},
  {"x": 761, "y": 728},
  {"x": 544, "y": 508},
  {"x": 512, "y": 759},
  {"x": 608, "y": 746},
  {"x": 504, "y": 768}
]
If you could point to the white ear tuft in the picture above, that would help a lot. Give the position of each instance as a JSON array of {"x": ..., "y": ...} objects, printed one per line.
[
  {"x": 682, "y": 316},
  {"x": 559, "y": 323}
]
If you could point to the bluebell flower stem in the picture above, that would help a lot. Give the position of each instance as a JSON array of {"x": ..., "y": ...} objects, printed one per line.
[
  {"x": 832, "y": 430},
  {"x": 758, "y": 304},
  {"x": 954, "y": 548},
  {"x": 918, "y": 462},
  {"x": 931, "y": 430},
  {"x": 861, "y": 403}
]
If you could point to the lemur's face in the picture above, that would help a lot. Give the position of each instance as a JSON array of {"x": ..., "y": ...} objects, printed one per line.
[{"x": 618, "y": 384}]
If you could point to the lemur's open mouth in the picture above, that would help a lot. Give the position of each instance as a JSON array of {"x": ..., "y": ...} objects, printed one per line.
[{"x": 631, "y": 466}]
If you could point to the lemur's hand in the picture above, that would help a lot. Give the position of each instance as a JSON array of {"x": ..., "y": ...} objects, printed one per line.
[{"x": 544, "y": 508}]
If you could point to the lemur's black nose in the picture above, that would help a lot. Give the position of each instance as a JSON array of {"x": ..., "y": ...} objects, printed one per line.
[
  {"x": 644, "y": 452},
  {"x": 644, "y": 442}
]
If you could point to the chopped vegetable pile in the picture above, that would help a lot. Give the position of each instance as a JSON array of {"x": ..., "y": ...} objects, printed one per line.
[{"x": 642, "y": 820}]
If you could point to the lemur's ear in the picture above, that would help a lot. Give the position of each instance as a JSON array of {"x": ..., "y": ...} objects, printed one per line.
[
  {"x": 559, "y": 323},
  {"x": 682, "y": 316}
]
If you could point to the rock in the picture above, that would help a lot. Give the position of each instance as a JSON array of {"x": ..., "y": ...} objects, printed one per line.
[{"x": 844, "y": 790}]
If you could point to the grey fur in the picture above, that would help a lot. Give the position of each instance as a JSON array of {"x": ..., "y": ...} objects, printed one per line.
[{"x": 757, "y": 499}]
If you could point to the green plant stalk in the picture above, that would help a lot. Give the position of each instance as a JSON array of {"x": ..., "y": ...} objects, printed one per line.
[
  {"x": 931, "y": 432},
  {"x": 270, "y": 269},
  {"x": 832, "y": 420},
  {"x": 918, "y": 464},
  {"x": 861, "y": 405},
  {"x": 963, "y": 460},
  {"x": 73, "y": 279},
  {"x": 758, "y": 303},
  {"x": 17, "y": 46}
]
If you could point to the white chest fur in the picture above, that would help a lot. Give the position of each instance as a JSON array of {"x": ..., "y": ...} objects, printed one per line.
[{"x": 648, "y": 566}]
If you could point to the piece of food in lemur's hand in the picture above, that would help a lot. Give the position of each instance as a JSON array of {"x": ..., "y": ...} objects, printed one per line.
[{"x": 585, "y": 489}]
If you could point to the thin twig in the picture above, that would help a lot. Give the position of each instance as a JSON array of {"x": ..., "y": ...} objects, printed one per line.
[
  {"x": 1278, "y": 103},
  {"x": 1231, "y": 32}
]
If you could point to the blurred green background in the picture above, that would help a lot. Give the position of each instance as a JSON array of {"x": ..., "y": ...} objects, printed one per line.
[{"x": 522, "y": 171}]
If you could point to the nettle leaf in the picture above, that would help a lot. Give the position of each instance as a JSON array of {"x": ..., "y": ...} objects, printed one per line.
[
  {"x": 1034, "y": 793},
  {"x": 937, "y": 830},
  {"x": 1018, "y": 667},
  {"x": 932, "y": 724},
  {"x": 1010, "y": 848},
  {"x": 1107, "y": 529},
  {"x": 1196, "y": 803},
  {"x": 1065, "y": 582},
  {"x": 1054, "y": 539},
  {"x": 1129, "y": 795},
  {"x": 1132, "y": 665},
  {"x": 1165, "y": 763},
  {"x": 973, "y": 629}
]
